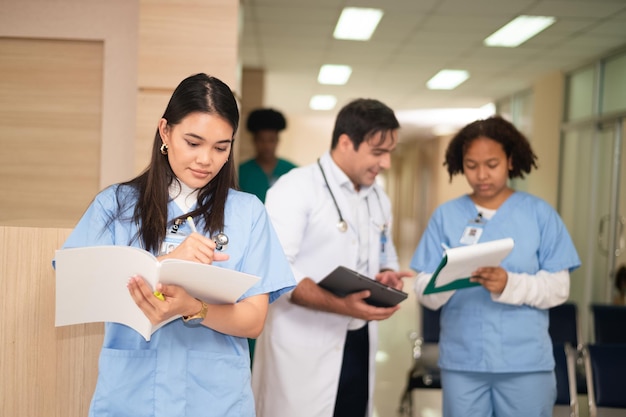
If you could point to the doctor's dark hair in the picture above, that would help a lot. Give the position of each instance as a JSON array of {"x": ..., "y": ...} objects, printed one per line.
[
  {"x": 361, "y": 119},
  {"x": 515, "y": 145},
  {"x": 197, "y": 93}
]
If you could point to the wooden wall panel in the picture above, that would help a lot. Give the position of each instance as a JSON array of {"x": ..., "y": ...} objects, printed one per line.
[
  {"x": 113, "y": 23},
  {"x": 252, "y": 93},
  {"x": 50, "y": 129},
  {"x": 178, "y": 38},
  {"x": 150, "y": 108},
  {"x": 183, "y": 37},
  {"x": 44, "y": 371}
]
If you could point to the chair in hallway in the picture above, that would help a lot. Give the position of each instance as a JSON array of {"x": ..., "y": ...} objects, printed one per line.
[
  {"x": 564, "y": 324},
  {"x": 609, "y": 323},
  {"x": 606, "y": 368},
  {"x": 565, "y": 329},
  {"x": 565, "y": 371}
]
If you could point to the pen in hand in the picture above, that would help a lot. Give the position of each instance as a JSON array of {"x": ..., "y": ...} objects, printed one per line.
[{"x": 192, "y": 224}]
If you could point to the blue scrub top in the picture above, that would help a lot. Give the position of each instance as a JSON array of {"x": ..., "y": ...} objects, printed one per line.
[{"x": 182, "y": 371}]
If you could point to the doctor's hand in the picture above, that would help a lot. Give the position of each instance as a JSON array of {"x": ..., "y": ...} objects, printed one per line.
[
  {"x": 357, "y": 307},
  {"x": 393, "y": 278},
  {"x": 197, "y": 248},
  {"x": 493, "y": 278},
  {"x": 176, "y": 301}
]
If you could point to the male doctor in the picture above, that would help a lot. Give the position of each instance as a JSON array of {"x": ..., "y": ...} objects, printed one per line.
[{"x": 315, "y": 357}]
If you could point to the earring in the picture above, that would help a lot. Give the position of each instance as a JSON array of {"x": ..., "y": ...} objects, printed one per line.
[{"x": 164, "y": 149}]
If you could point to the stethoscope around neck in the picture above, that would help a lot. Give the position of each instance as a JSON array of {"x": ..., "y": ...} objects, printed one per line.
[
  {"x": 342, "y": 225},
  {"x": 221, "y": 239}
]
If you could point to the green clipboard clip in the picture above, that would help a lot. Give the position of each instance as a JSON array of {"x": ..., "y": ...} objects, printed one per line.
[
  {"x": 464, "y": 260},
  {"x": 458, "y": 284}
]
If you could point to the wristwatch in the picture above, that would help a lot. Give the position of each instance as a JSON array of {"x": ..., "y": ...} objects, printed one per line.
[{"x": 196, "y": 319}]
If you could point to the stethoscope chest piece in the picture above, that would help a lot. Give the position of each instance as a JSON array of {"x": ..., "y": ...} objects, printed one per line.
[
  {"x": 221, "y": 241},
  {"x": 342, "y": 226}
]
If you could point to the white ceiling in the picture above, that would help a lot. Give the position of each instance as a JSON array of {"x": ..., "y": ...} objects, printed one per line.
[{"x": 291, "y": 39}]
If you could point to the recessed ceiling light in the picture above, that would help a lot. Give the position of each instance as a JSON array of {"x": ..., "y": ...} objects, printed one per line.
[
  {"x": 357, "y": 23},
  {"x": 334, "y": 74},
  {"x": 447, "y": 79},
  {"x": 322, "y": 102},
  {"x": 518, "y": 31}
]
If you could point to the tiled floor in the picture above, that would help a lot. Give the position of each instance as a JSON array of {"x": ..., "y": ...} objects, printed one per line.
[{"x": 395, "y": 357}]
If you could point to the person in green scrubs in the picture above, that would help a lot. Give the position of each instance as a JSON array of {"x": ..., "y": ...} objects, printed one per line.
[{"x": 258, "y": 174}]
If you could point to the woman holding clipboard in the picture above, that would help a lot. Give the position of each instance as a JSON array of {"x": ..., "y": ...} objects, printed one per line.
[{"x": 495, "y": 351}]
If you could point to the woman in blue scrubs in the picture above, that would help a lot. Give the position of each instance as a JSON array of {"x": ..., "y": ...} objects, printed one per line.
[
  {"x": 198, "y": 364},
  {"x": 495, "y": 350}
]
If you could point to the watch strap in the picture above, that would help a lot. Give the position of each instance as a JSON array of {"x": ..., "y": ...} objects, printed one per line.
[{"x": 196, "y": 319}]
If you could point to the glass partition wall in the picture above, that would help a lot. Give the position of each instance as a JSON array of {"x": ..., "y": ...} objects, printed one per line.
[{"x": 592, "y": 194}]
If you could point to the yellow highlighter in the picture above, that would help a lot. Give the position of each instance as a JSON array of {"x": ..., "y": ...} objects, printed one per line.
[{"x": 159, "y": 296}]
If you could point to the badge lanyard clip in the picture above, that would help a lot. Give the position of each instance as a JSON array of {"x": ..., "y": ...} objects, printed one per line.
[{"x": 473, "y": 231}]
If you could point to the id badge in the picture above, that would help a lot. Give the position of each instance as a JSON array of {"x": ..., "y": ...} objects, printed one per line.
[
  {"x": 171, "y": 242},
  {"x": 473, "y": 231}
]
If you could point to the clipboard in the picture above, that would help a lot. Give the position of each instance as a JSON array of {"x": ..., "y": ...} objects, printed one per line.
[
  {"x": 457, "y": 264},
  {"x": 343, "y": 281}
]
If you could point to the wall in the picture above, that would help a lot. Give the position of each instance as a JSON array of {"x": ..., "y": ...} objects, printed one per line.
[
  {"x": 145, "y": 56},
  {"x": 306, "y": 138},
  {"x": 44, "y": 370},
  {"x": 113, "y": 25},
  {"x": 548, "y": 93},
  {"x": 50, "y": 129},
  {"x": 147, "y": 47},
  {"x": 252, "y": 90},
  {"x": 168, "y": 54}
]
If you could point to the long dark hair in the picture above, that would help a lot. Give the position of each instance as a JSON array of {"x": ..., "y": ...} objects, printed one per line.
[{"x": 197, "y": 93}]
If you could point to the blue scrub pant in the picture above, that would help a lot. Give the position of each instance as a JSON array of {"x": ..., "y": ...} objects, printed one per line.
[{"x": 482, "y": 394}]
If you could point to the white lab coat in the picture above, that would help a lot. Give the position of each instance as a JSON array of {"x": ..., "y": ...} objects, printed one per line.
[{"x": 298, "y": 357}]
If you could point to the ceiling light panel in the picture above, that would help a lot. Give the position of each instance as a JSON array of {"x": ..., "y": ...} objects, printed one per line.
[
  {"x": 357, "y": 23},
  {"x": 518, "y": 31},
  {"x": 334, "y": 74},
  {"x": 322, "y": 102},
  {"x": 447, "y": 79}
]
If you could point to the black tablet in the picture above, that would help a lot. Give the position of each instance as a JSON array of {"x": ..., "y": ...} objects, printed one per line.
[{"x": 343, "y": 281}]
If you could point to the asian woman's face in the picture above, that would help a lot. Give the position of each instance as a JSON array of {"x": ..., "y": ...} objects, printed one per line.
[
  {"x": 198, "y": 147},
  {"x": 486, "y": 168}
]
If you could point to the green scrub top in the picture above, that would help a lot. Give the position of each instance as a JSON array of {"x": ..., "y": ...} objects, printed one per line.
[{"x": 252, "y": 178}]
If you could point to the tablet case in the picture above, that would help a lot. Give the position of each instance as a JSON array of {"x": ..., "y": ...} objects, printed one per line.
[{"x": 343, "y": 281}]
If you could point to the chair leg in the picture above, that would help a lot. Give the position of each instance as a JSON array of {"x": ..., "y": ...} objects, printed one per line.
[{"x": 593, "y": 411}]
